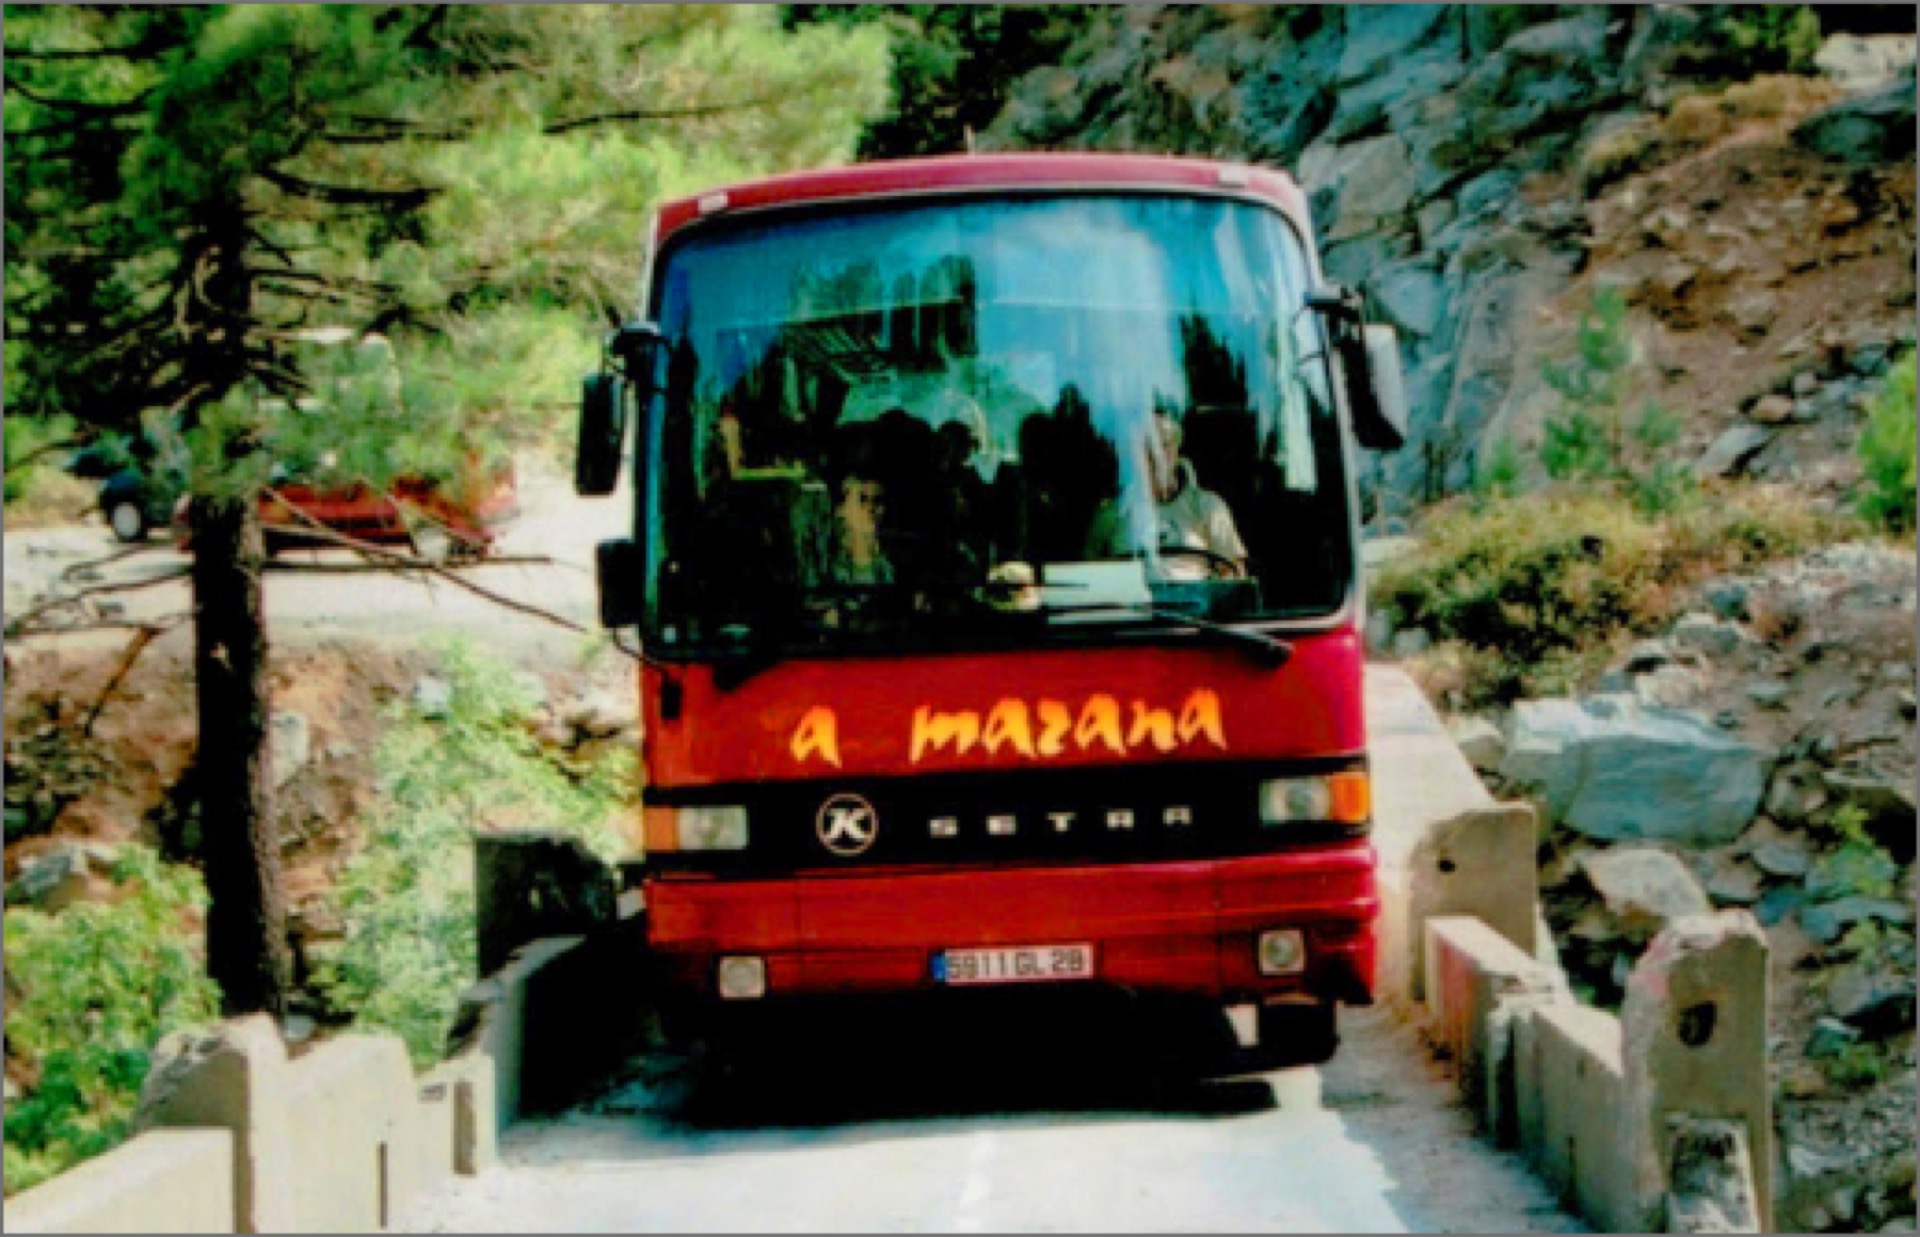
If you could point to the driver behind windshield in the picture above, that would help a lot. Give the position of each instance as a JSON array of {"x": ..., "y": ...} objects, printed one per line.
[{"x": 1194, "y": 534}]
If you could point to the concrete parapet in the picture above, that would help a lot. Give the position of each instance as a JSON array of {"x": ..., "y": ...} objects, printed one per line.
[
  {"x": 493, "y": 1021},
  {"x": 1570, "y": 1086},
  {"x": 1476, "y": 979},
  {"x": 164, "y": 1181},
  {"x": 1695, "y": 1036},
  {"x": 1480, "y": 863}
]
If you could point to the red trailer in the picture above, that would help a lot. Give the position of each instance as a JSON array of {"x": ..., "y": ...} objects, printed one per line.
[{"x": 996, "y": 569}]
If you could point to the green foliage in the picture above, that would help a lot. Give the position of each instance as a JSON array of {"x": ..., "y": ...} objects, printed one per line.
[
  {"x": 1499, "y": 475},
  {"x": 1584, "y": 436},
  {"x": 1887, "y": 447},
  {"x": 1539, "y": 588},
  {"x": 1857, "y": 1066},
  {"x": 1767, "y": 36},
  {"x": 31, "y": 446},
  {"x": 90, "y": 991},
  {"x": 178, "y": 214},
  {"x": 953, "y": 64},
  {"x": 1858, "y": 866},
  {"x": 407, "y": 898}
]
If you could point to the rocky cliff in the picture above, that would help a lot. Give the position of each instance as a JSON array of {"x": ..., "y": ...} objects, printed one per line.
[{"x": 1469, "y": 165}]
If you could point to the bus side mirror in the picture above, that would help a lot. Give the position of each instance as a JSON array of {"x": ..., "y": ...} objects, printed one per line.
[
  {"x": 603, "y": 425},
  {"x": 1367, "y": 360},
  {"x": 617, "y": 568},
  {"x": 627, "y": 377},
  {"x": 1385, "y": 429}
]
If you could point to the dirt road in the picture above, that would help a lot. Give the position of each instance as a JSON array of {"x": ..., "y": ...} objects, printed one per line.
[{"x": 305, "y": 601}]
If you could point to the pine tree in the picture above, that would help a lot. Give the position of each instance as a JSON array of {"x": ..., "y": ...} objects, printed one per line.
[{"x": 190, "y": 189}]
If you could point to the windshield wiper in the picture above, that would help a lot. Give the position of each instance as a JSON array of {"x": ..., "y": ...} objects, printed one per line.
[{"x": 1271, "y": 650}]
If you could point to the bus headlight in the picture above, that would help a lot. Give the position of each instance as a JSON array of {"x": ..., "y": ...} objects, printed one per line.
[
  {"x": 695, "y": 828},
  {"x": 1343, "y": 798}
]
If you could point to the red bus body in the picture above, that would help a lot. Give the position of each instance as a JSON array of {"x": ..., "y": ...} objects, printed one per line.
[{"x": 803, "y": 729}]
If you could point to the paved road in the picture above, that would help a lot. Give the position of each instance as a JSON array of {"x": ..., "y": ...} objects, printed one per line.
[
  {"x": 979, "y": 1123},
  {"x": 1369, "y": 1143}
]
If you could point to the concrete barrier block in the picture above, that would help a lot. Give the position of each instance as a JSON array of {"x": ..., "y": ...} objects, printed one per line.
[
  {"x": 232, "y": 1078},
  {"x": 1570, "y": 1085},
  {"x": 162, "y": 1181},
  {"x": 1711, "y": 1179},
  {"x": 472, "y": 1134},
  {"x": 1695, "y": 1035},
  {"x": 356, "y": 1137},
  {"x": 494, "y": 1018},
  {"x": 1471, "y": 969},
  {"x": 1420, "y": 777},
  {"x": 1477, "y": 863}
]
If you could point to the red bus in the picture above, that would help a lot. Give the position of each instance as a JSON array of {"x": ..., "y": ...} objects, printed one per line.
[{"x": 997, "y": 578}]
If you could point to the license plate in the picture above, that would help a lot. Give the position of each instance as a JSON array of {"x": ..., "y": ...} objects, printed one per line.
[{"x": 1031, "y": 964}]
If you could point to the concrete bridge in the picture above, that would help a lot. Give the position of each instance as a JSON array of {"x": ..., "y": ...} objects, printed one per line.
[{"x": 1478, "y": 1096}]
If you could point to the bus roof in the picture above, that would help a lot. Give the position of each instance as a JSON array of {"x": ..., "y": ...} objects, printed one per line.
[{"x": 984, "y": 173}]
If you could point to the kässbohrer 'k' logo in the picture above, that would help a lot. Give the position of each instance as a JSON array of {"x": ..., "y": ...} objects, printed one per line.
[{"x": 847, "y": 825}]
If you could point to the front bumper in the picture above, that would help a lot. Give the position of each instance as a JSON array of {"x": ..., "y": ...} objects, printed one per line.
[{"x": 1181, "y": 928}]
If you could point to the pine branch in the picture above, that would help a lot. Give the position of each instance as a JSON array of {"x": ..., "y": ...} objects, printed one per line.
[
  {"x": 677, "y": 113},
  {"x": 131, "y": 107},
  {"x": 348, "y": 195}
]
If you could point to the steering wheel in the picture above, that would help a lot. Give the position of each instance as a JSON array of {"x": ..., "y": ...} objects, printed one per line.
[{"x": 1224, "y": 567}]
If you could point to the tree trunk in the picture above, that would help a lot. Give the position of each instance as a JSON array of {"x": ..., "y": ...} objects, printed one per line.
[{"x": 247, "y": 951}]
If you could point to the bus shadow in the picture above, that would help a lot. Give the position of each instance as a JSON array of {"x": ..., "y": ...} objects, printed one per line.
[{"x": 1005, "y": 1055}]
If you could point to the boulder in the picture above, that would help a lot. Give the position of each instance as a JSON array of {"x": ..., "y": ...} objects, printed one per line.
[
  {"x": 1367, "y": 186},
  {"x": 1734, "y": 884},
  {"x": 1706, "y": 633},
  {"x": 1648, "y": 655},
  {"x": 1830, "y": 1038},
  {"x": 1411, "y": 642},
  {"x": 432, "y": 695},
  {"x": 1780, "y": 859},
  {"x": 63, "y": 874},
  {"x": 1378, "y": 36},
  {"x": 1864, "y": 64},
  {"x": 1731, "y": 600},
  {"x": 1872, "y": 999},
  {"x": 1796, "y": 792},
  {"x": 1866, "y": 129},
  {"x": 1412, "y": 298},
  {"x": 1829, "y": 921},
  {"x": 1770, "y": 694},
  {"x": 1480, "y": 741},
  {"x": 1645, "y": 889},
  {"x": 1732, "y": 451},
  {"x": 290, "y": 741},
  {"x": 1772, "y": 410},
  {"x": 1614, "y": 770}
]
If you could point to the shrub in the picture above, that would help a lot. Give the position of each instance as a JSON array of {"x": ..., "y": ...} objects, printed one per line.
[
  {"x": 1887, "y": 446},
  {"x": 1760, "y": 37},
  {"x": 90, "y": 991},
  {"x": 1551, "y": 581},
  {"x": 407, "y": 899}
]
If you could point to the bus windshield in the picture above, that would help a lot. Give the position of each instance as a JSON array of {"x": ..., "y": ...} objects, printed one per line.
[{"x": 1050, "y": 414}]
